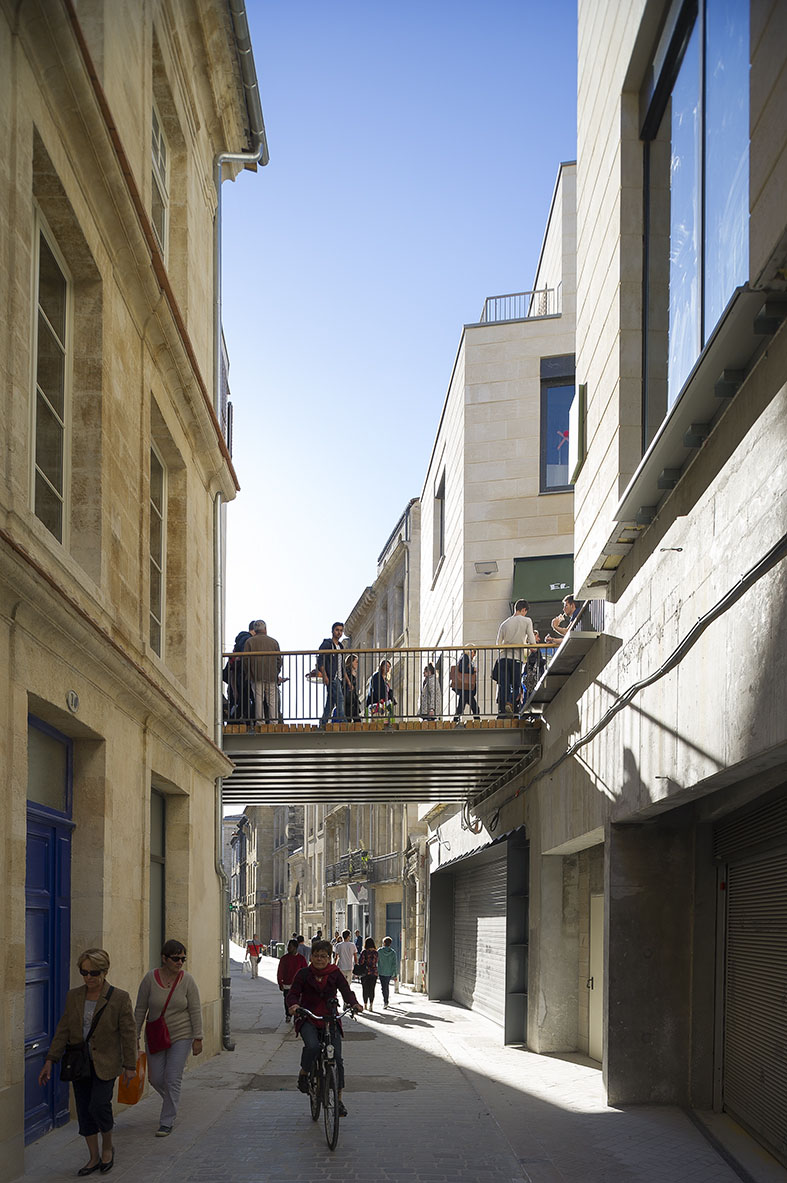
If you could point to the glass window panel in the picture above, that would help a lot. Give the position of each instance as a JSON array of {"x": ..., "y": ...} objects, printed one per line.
[
  {"x": 726, "y": 154},
  {"x": 49, "y": 444},
  {"x": 50, "y": 366},
  {"x": 47, "y": 769},
  {"x": 684, "y": 329},
  {"x": 554, "y": 437},
  {"x": 159, "y": 213},
  {"x": 156, "y": 483},
  {"x": 155, "y": 589},
  {"x": 52, "y": 288},
  {"x": 49, "y": 507},
  {"x": 156, "y": 531},
  {"x": 155, "y": 635}
]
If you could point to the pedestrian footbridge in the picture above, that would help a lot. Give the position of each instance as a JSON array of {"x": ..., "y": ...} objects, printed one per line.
[{"x": 293, "y": 740}]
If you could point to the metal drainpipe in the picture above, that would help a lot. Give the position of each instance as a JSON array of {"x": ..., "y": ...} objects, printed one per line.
[{"x": 259, "y": 156}]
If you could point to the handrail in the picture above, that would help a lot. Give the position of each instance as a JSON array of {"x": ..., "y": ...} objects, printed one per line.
[{"x": 390, "y": 685}]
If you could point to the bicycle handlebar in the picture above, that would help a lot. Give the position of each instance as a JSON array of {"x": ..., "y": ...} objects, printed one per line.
[{"x": 348, "y": 1010}]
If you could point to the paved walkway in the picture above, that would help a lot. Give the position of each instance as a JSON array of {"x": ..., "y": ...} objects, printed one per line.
[{"x": 433, "y": 1098}]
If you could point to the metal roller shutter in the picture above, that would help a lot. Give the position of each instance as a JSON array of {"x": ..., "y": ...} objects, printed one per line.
[
  {"x": 480, "y": 937},
  {"x": 755, "y": 1022}
]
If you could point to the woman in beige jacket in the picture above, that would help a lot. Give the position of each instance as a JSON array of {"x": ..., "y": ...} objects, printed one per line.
[{"x": 112, "y": 1048}]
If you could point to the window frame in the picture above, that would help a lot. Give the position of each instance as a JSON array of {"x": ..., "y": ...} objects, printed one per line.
[
  {"x": 42, "y": 230},
  {"x": 438, "y": 525},
  {"x": 159, "y": 176},
  {"x": 159, "y": 860},
  {"x": 683, "y": 18},
  {"x": 162, "y": 562},
  {"x": 558, "y": 371}
]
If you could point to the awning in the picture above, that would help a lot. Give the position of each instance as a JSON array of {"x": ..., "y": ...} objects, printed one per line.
[{"x": 543, "y": 579}]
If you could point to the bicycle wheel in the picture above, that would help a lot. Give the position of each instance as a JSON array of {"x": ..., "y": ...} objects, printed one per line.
[
  {"x": 315, "y": 1091},
  {"x": 330, "y": 1106}
]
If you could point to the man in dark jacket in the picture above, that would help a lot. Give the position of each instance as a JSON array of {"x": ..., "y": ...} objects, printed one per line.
[{"x": 330, "y": 665}]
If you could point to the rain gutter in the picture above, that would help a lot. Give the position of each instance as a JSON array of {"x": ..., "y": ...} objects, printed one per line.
[{"x": 257, "y": 155}]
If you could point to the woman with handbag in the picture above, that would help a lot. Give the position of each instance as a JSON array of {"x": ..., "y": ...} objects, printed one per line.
[
  {"x": 464, "y": 686},
  {"x": 367, "y": 968},
  {"x": 94, "y": 1042},
  {"x": 170, "y": 1000}
]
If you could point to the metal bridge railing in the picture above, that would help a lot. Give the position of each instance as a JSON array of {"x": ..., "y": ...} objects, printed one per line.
[{"x": 376, "y": 687}]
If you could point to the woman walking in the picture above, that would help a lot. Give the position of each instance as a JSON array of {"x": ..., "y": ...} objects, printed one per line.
[
  {"x": 368, "y": 960},
  {"x": 173, "y": 993},
  {"x": 101, "y": 1015},
  {"x": 430, "y": 704}
]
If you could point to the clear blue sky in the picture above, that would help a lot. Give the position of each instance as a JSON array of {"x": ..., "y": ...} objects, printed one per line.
[{"x": 413, "y": 152}]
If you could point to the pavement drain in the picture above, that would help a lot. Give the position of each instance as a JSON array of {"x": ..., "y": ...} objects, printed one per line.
[{"x": 356, "y": 1084}]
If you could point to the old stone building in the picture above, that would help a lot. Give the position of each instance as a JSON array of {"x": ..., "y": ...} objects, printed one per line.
[{"x": 115, "y": 467}]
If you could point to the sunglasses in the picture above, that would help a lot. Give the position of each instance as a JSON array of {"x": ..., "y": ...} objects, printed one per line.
[
  {"x": 91, "y": 973},
  {"x": 177, "y": 958}
]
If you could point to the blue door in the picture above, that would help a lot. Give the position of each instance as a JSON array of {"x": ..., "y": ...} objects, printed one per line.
[
  {"x": 393, "y": 926},
  {"x": 47, "y": 919}
]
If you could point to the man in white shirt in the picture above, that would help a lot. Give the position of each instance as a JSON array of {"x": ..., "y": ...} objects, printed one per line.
[
  {"x": 515, "y": 630},
  {"x": 345, "y": 955}
]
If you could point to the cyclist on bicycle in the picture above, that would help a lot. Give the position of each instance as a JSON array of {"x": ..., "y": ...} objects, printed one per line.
[{"x": 314, "y": 988}]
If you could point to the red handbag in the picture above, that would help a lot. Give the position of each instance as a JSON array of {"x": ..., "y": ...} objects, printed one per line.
[{"x": 156, "y": 1030}]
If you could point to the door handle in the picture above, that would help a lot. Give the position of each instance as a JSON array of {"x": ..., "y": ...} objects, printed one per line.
[
  {"x": 31, "y": 1047},
  {"x": 589, "y": 984}
]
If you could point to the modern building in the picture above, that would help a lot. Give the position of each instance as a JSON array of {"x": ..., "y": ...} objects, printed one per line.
[
  {"x": 658, "y": 818},
  {"x": 654, "y": 913},
  {"x": 115, "y": 423},
  {"x": 497, "y": 526}
]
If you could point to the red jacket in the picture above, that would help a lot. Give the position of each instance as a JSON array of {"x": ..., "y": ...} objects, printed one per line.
[
  {"x": 289, "y": 964},
  {"x": 307, "y": 991}
]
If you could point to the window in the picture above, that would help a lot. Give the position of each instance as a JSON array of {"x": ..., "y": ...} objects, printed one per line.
[
  {"x": 696, "y": 133},
  {"x": 52, "y": 362},
  {"x": 158, "y": 494},
  {"x": 160, "y": 188},
  {"x": 50, "y": 760},
  {"x": 438, "y": 525},
  {"x": 557, "y": 395},
  {"x": 158, "y": 817}
]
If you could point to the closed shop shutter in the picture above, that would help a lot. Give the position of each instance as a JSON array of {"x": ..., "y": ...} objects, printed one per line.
[
  {"x": 755, "y": 1021},
  {"x": 480, "y": 936}
]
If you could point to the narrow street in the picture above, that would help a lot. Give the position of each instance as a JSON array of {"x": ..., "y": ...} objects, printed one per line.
[{"x": 432, "y": 1097}]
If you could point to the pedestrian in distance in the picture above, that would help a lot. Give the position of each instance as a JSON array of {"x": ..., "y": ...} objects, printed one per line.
[
  {"x": 358, "y": 940},
  {"x": 367, "y": 966},
  {"x": 289, "y": 964},
  {"x": 101, "y": 1016},
  {"x": 303, "y": 948},
  {"x": 173, "y": 993},
  {"x": 387, "y": 967},
  {"x": 352, "y": 703},
  {"x": 314, "y": 988},
  {"x": 253, "y": 954},
  {"x": 345, "y": 955}
]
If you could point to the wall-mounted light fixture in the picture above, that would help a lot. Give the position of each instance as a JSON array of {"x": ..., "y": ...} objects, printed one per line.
[{"x": 489, "y": 568}]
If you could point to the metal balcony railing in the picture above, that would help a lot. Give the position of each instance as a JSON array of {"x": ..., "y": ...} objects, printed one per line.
[
  {"x": 386, "y": 868},
  {"x": 371, "y": 688},
  {"x": 350, "y": 868},
  {"x": 522, "y": 305}
]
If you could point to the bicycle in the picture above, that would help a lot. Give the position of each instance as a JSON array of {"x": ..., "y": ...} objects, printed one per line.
[{"x": 324, "y": 1073}]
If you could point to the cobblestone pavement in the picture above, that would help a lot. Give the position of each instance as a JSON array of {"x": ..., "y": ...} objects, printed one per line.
[{"x": 432, "y": 1098}]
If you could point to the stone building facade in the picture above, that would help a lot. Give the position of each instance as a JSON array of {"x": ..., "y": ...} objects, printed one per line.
[{"x": 114, "y": 464}]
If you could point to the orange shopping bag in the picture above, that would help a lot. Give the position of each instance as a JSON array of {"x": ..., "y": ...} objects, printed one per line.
[{"x": 129, "y": 1094}]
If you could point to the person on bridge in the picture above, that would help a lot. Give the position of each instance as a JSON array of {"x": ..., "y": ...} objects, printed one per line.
[
  {"x": 265, "y": 673},
  {"x": 331, "y": 667},
  {"x": 517, "y": 629}
]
